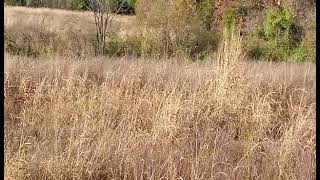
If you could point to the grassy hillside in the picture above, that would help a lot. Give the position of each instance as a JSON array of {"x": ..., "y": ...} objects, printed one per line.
[
  {"x": 58, "y": 19},
  {"x": 43, "y": 31}
]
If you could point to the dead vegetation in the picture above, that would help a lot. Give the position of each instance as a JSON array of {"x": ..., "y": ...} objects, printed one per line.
[{"x": 151, "y": 119}]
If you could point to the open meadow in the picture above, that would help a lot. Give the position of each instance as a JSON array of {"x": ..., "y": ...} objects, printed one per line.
[{"x": 100, "y": 117}]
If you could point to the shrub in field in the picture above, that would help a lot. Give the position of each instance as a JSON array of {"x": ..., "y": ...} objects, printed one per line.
[
  {"x": 128, "y": 7},
  {"x": 10, "y": 2},
  {"x": 281, "y": 23},
  {"x": 238, "y": 10},
  {"x": 132, "y": 3},
  {"x": 114, "y": 45},
  {"x": 205, "y": 11},
  {"x": 134, "y": 45},
  {"x": 278, "y": 38},
  {"x": 78, "y": 5},
  {"x": 5, "y": 37},
  {"x": 177, "y": 26},
  {"x": 233, "y": 15},
  {"x": 118, "y": 46},
  {"x": 306, "y": 51},
  {"x": 255, "y": 47}
]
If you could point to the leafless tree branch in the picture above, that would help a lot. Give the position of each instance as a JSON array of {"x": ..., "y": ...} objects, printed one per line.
[{"x": 103, "y": 13}]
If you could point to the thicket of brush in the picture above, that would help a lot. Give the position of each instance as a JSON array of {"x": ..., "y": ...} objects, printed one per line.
[
  {"x": 152, "y": 119},
  {"x": 166, "y": 28},
  {"x": 169, "y": 29},
  {"x": 281, "y": 37}
]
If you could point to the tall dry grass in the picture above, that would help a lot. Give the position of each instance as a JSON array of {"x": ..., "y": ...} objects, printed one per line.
[
  {"x": 59, "y": 20},
  {"x": 159, "y": 119}
]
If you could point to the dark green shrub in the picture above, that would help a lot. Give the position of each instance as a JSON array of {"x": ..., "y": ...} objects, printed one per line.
[
  {"x": 301, "y": 53},
  {"x": 205, "y": 12},
  {"x": 256, "y": 48},
  {"x": 5, "y": 40},
  {"x": 200, "y": 42},
  {"x": 306, "y": 51},
  {"x": 152, "y": 46},
  {"x": 233, "y": 15},
  {"x": 115, "y": 46},
  {"x": 118, "y": 46},
  {"x": 35, "y": 3},
  {"x": 279, "y": 38},
  {"x": 123, "y": 7},
  {"x": 78, "y": 5},
  {"x": 11, "y": 2},
  {"x": 278, "y": 22},
  {"x": 133, "y": 45},
  {"x": 132, "y": 3}
]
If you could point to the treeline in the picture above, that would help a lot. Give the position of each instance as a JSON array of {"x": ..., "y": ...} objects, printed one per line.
[
  {"x": 274, "y": 30},
  {"x": 127, "y": 6}
]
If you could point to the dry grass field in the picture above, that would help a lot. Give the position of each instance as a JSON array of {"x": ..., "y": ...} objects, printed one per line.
[
  {"x": 127, "y": 118},
  {"x": 59, "y": 20},
  {"x": 144, "y": 118},
  {"x": 37, "y": 31}
]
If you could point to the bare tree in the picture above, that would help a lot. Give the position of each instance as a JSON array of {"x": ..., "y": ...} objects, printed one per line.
[{"x": 103, "y": 12}]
